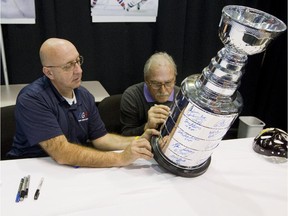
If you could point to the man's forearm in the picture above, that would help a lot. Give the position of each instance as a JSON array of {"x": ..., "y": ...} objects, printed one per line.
[
  {"x": 67, "y": 153},
  {"x": 89, "y": 157},
  {"x": 112, "y": 142}
]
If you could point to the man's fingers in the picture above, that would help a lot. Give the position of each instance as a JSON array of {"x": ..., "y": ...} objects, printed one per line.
[
  {"x": 144, "y": 153},
  {"x": 151, "y": 132},
  {"x": 163, "y": 107},
  {"x": 142, "y": 143},
  {"x": 162, "y": 117},
  {"x": 160, "y": 109},
  {"x": 147, "y": 157},
  {"x": 142, "y": 148}
]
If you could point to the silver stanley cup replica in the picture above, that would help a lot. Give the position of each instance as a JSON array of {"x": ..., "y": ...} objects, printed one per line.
[{"x": 207, "y": 105}]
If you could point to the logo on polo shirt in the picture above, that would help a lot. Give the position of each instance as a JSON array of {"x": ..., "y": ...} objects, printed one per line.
[{"x": 83, "y": 116}]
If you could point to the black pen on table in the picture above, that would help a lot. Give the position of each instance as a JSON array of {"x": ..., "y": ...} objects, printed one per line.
[
  {"x": 36, "y": 195},
  {"x": 27, "y": 186},
  {"x": 23, "y": 189}
]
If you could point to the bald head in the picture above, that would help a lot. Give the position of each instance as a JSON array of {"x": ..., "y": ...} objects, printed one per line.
[{"x": 55, "y": 49}]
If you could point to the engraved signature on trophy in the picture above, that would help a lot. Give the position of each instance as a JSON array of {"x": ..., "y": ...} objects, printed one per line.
[
  {"x": 216, "y": 133},
  {"x": 220, "y": 124},
  {"x": 191, "y": 125},
  {"x": 186, "y": 136},
  {"x": 179, "y": 149},
  {"x": 177, "y": 160},
  {"x": 196, "y": 116}
]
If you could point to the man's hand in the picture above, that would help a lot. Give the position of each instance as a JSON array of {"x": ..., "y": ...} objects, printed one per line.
[
  {"x": 156, "y": 116},
  {"x": 149, "y": 133},
  {"x": 139, "y": 148}
]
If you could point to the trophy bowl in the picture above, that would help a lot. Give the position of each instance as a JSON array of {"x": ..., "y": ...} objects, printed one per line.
[{"x": 247, "y": 30}]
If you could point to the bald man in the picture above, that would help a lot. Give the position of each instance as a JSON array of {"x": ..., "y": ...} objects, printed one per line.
[{"x": 58, "y": 117}]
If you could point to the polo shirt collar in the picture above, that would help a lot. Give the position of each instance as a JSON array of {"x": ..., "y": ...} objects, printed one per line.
[{"x": 60, "y": 98}]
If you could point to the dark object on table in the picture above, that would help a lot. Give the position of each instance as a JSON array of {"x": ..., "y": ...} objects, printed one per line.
[{"x": 271, "y": 142}]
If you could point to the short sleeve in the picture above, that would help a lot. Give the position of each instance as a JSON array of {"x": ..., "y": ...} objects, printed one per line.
[{"x": 36, "y": 119}]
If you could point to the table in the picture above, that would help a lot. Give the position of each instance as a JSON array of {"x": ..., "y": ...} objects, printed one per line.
[
  {"x": 9, "y": 93},
  {"x": 239, "y": 182}
]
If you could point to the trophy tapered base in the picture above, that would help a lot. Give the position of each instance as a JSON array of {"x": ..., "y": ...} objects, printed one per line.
[{"x": 173, "y": 168}]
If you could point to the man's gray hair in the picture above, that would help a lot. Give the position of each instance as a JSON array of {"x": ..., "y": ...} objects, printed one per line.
[{"x": 156, "y": 58}]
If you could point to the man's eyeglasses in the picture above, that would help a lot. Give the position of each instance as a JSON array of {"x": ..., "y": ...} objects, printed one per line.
[
  {"x": 158, "y": 85},
  {"x": 70, "y": 65}
]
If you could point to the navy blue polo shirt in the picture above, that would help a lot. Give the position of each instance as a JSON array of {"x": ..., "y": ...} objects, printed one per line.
[{"x": 42, "y": 113}]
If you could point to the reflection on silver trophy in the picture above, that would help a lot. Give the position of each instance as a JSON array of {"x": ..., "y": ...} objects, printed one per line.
[{"x": 208, "y": 104}]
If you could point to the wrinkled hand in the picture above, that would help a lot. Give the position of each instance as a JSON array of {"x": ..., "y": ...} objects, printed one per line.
[
  {"x": 149, "y": 133},
  {"x": 157, "y": 116},
  {"x": 139, "y": 148}
]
